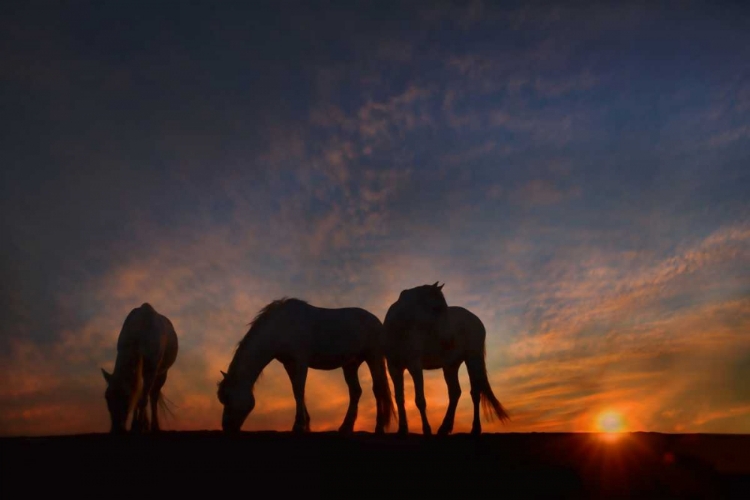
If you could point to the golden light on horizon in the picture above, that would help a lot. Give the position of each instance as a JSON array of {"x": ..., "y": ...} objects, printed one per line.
[{"x": 611, "y": 423}]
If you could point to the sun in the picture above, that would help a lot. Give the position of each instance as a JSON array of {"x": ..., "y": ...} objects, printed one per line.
[{"x": 610, "y": 421}]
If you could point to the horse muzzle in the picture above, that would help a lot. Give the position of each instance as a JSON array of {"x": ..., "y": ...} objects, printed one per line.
[
  {"x": 230, "y": 424},
  {"x": 230, "y": 428}
]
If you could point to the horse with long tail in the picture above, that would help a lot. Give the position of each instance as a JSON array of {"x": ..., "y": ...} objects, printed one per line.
[
  {"x": 302, "y": 336},
  {"x": 146, "y": 348},
  {"x": 424, "y": 333}
]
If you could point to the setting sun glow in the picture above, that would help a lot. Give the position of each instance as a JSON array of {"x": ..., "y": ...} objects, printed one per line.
[{"x": 610, "y": 422}]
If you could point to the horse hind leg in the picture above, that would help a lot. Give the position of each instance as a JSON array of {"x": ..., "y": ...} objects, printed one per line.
[
  {"x": 415, "y": 370},
  {"x": 475, "y": 379},
  {"x": 141, "y": 420},
  {"x": 397, "y": 375},
  {"x": 382, "y": 392},
  {"x": 140, "y": 417},
  {"x": 355, "y": 392},
  {"x": 155, "y": 395},
  {"x": 137, "y": 425},
  {"x": 481, "y": 392},
  {"x": 450, "y": 373},
  {"x": 298, "y": 376}
]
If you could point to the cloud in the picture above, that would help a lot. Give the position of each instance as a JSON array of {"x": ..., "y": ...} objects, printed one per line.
[
  {"x": 729, "y": 136},
  {"x": 542, "y": 192},
  {"x": 376, "y": 119},
  {"x": 625, "y": 346},
  {"x": 556, "y": 88}
]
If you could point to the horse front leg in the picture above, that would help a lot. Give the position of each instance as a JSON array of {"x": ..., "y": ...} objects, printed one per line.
[
  {"x": 298, "y": 375},
  {"x": 355, "y": 392},
  {"x": 397, "y": 375},
  {"x": 415, "y": 370}
]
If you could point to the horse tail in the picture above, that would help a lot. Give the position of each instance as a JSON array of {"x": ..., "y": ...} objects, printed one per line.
[
  {"x": 491, "y": 407},
  {"x": 163, "y": 403},
  {"x": 384, "y": 402}
]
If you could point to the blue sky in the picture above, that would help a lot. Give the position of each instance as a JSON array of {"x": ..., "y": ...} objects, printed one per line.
[{"x": 577, "y": 176}]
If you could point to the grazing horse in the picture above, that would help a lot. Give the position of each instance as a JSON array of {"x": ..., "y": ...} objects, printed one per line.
[
  {"x": 301, "y": 336},
  {"x": 146, "y": 349},
  {"x": 423, "y": 333}
]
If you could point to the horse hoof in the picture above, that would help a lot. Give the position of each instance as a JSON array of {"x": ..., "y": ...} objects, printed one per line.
[
  {"x": 443, "y": 431},
  {"x": 346, "y": 430}
]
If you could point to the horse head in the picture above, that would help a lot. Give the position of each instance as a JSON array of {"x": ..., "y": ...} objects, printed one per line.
[
  {"x": 421, "y": 306},
  {"x": 238, "y": 401},
  {"x": 118, "y": 398}
]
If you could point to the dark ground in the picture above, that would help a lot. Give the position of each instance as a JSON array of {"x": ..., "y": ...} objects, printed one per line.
[{"x": 327, "y": 465}]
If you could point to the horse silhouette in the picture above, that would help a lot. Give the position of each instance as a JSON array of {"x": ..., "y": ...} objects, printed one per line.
[
  {"x": 301, "y": 337},
  {"x": 146, "y": 349},
  {"x": 423, "y": 333}
]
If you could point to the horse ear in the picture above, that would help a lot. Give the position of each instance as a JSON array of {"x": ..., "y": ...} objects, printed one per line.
[
  {"x": 441, "y": 286},
  {"x": 436, "y": 283},
  {"x": 223, "y": 374},
  {"x": 107, "y": 376}
]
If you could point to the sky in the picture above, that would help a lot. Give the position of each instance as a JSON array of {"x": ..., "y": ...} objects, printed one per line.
[{"x": 577, "y": 175}]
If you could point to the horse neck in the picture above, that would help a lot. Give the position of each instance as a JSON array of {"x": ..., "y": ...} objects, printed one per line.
[{"x": 251, "y": 358}]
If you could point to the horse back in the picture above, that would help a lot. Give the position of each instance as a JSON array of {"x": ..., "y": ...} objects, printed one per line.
[
  {"x": 463, "y": 328},
  {"x": 347, "y": 328},
  {"x": 349, "y": 320},
  {"x": 460, "y": 334}
]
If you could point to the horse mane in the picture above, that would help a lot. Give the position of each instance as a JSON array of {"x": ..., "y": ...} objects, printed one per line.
[{"x": 262, "y": 318}]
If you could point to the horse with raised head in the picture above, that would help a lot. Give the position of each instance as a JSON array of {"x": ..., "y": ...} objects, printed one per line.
[
  {"x": 146, "y": 349},
  {"x": 302, "y": 336},
  {"x": 423, "y": 333}
]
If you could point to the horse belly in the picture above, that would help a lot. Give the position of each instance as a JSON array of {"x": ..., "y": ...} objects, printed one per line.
[
  {"x": 328, "y": 362},
  {"x": 432, "y": 354},
  {"x": 438, "y": 354},
  {"x": 432, "y": 362}
]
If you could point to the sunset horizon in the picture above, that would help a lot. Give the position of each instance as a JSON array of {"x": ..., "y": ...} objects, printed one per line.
[{"x": 578, "y": 177}]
